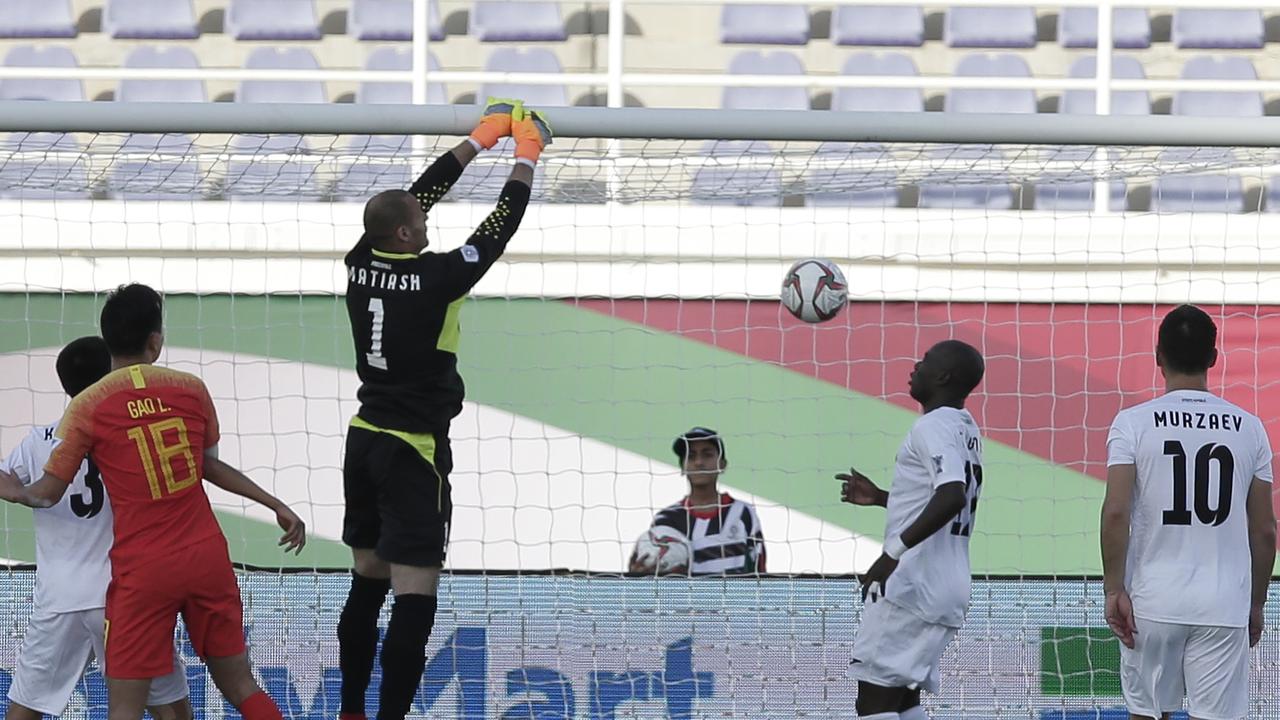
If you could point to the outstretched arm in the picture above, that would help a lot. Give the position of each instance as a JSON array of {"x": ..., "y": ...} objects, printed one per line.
[
  {"x": 439, "y": 177},
  {"x": 43, "y": 493},
  {"x": 237, "y": 483},
  {"x": 1116, "y": 508}
]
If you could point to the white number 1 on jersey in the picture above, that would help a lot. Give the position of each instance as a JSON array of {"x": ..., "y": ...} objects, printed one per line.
[{"x": 374, "y": 356}]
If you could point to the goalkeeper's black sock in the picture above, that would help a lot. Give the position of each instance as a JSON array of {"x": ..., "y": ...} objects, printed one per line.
[
  {"x": 404, "y": 653},
  {"x": 358, "y": 638}
]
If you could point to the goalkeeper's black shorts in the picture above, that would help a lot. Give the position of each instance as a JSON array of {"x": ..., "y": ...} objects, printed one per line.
[{"x": 396, "y": 487}]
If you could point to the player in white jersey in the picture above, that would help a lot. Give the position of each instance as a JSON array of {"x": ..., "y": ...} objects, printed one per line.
[
  {"x": 73, "y": 539},
  {"x": 1188, "y": 491},
  {"x": 916, "y": 594}
]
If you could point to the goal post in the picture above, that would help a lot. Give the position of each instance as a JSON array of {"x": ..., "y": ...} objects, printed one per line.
[{"x": 639, "y": 299}]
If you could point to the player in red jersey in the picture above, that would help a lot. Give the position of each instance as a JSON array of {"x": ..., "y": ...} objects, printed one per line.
[{"x": 153, "y": 433}]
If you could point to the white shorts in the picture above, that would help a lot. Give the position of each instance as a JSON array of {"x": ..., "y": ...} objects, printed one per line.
[
  {"x": 55, "y": 653},
  {"x": 1209, "y": 665},
  {"x": 895, "y": 648}
]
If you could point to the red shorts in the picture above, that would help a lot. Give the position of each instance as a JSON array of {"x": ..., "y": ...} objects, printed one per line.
[{"x": 143, "y": 604}]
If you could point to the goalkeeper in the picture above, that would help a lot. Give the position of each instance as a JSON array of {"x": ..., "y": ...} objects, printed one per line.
[{"x": 404, "y": 305}]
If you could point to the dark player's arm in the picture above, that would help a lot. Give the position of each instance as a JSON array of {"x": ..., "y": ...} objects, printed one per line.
[
  {"x": 1116, "y": 508},
  {"x": 440, "y": 175},
  {"x": 947, "y": 502},
  {"x": 1262, "y": 538},
  {"x": 237, "y": 483},
  {"x": 489, "y": 240},
  {"x": 43, "y": 493}
]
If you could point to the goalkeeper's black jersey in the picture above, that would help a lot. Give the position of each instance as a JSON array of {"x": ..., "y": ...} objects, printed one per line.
[{"x": 404, "y": 311}]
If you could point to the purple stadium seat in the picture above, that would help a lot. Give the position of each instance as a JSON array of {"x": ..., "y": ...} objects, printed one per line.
[
  {"x": 776, "y": 24},
  {"x": 1271, "y": 196},
  {"x": 991, "y": 27},
  {"x": 536, "y": 60},
  {"x": 167, "y": 172},
  {"x": 390, "y": 20},
  {"x": 498, "y": 21},
  {"x": 36, "y": 19},
  {"x": 272, "y": 20},
  {"x": 44, "y": 174},
  {"x": 1123, "y": 102},
  {"x": 991, "y": 101},
  {"x": 752, "y": 62},
  {"x": 161, "y": 90},
  {"x": 964, "y": 179},
  {"x": 382, "y": 166},
  {"x": 864, "y": 176},
  {"x": 728, "y": 178},
  {"x": 254, "y": 174},
  {"x": 1078, "y": 28},
  {"x": 901, "y": 25},
  {"x": 1075, "y": 194},
  {"x": 1214, "y": 103},
  {"x": 1214, "y": 29},
  {"x": 387, "y": 58},
  {"x": 1197, "y": 193},
  {"x": 40, "y": 88},
  {"x": 878, "y": 99},
  {"x": 156, "y": 19},
  {"x": 281, "y": 91}
]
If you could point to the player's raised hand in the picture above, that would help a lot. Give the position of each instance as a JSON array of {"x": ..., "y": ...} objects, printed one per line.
[
  {"x": 878, "y": 574},
  {"x": 495, "y": 121},
  {"x": 1119, "y": 615},
  {"x": 1256, "y": 624},
  {"x": 858, "y": 489},
  {"x": 10, "y": 486},
  {"x": 532, "y": 133},
  {"x": 295, "y": 530}
]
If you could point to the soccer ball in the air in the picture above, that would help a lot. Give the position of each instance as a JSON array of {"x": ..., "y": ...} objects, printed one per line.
[
  {"x": 814, "y": 290},
  {"x": 662, "y": 549}
]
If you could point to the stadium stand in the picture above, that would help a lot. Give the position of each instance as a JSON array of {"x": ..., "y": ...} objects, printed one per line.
[
  {"x": 274, "y": 20},
  {"x": 282, "y": 91},
  {"x": 882, "y": 99},
  {"x": 1123, "y": 102},
  {"x": 1130, "y": 28},
  {"x": 255, "y": 170},
  {"x": 768, "y": 24},
  {"x": 46, "y": 166},
  {"x": 877, "y": 25},
  {"x": 1218, "y": 29},
  {"x": 156, "y": 167},
  {"x": 991, "y": 27},
  {"x": 733, "y": 182},
  {"x": 150, "y": 19},
  {"x": 498, "y": 21},
  {"x": 537, "y": 60},
  {"x": 972, "y": 100},
  {"x": 389, "y": 58},
  {"x": 140, "y": 90}
]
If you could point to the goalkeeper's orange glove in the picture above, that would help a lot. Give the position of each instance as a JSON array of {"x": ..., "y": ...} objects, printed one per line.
[
  {"x": 495, "y": 122},
  {"x": 532, "y": 133}
]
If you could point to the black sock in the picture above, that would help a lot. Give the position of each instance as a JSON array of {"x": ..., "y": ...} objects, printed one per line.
[
  {"x": 404, "y": 653},
  {"x": 358, "y": 638}
]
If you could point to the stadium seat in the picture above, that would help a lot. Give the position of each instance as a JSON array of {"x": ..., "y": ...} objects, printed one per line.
[
  {"x": 498, "y": 21},
  {"x": 878, "y": 99},
  {"x": 727, "y": 178},
  {"x": 161, "y": 90},
  {"x": 1078, "y": 28},
  {"x": 150, "y": 19},
  {"x": 253, "y": 173},
  {"x": 274, "y": 20},
  {"x": 991, "y": 27},
  {"x": 381, "y": 165},
  {"x": 387, "y": 58},
  {"x": 1074, "y": 193},
  {"x": 1197, "y": 193},
  {"x": 991, "y": 100},
  {"x": 537, "y": 60},
  {"x": 36, "y": 19},
  {"x": 863, "y": 176},
  {"x": 168, "y": 170},
  {"x": 1218, "y": 103},
  {"x": 1271, "y": 196},
  {"x": 1123, "y": 102},
  {"x": 390, "y": 20},
  {"x": 41, "y": 88},
  {"x": 43, "y": 173},
  {"x": 963, "y": 178},
  {"x": 1218, "y": 29},
  {"x": 752, "y": 62},
  {"x": 281, "y": 91},
  {"x": 878, "y": 25},
  {"x": 774, "y": 24}
]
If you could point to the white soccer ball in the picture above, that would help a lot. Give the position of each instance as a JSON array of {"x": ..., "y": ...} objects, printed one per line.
[
  {"x": 663, "y": 549},
  {"x": 814, "y": 290}
]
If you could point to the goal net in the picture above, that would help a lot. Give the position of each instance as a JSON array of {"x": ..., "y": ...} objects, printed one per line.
[{"x": 639, "y": 299}]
